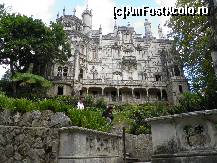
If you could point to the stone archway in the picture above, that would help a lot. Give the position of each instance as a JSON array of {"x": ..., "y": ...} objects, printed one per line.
[
  {"x": 111, "y": 94},
  {"x": 154, "y": 94},
  {"x": 96, "y": 92},
  {"x": 164, "y": 95},
  {"x": 126, "y": 94},
  {"x": 140, "y": 94}
]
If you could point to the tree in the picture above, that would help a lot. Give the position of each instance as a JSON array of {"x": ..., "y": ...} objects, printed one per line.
[
  {"x": 192, "y": 43},
  {"x": 31, "y": 85},
  {"x": 28, "y": 43}
]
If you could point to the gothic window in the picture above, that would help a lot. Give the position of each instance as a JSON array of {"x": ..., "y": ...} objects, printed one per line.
[
  {"x": 82, "y": 49},
  {"x": 177, "y": 71},
  {"x": 142, "y": 76},
  {"x": 157, "y": 77},
  {"x": 81, "y": 74},
  {"x": 94, "y": 53},
  {"x": 60, "y": 90},
  {"x": 65, "y": 71},
  {"x": 59, "y": 71},
  {"x": 180, "y": 89},
  {"x": 94, "y": 73}
]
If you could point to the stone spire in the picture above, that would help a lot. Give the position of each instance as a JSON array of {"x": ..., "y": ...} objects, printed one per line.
[
  {"x": 74, "y": 11},
  {"x": 64, "y": 11},
  {"x": 100, "y": 29},
  {"x": 148, "y": 32},
  {"x": 160, "y": 32}
]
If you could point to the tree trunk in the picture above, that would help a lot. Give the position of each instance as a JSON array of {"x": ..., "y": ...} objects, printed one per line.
[{"x": 14, "y": 84}]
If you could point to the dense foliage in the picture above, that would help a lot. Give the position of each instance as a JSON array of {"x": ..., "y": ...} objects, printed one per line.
[
  {"x": 30, "y": 85},
  {"x": 27, "y": 43},
  {"x": 130, "y": 116},
  {"x": 89, "y": 118},
  {"x": 193, "y": 44}
]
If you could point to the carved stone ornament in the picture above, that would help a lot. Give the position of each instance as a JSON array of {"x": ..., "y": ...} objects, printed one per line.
[{"x": 129, "y": 63}]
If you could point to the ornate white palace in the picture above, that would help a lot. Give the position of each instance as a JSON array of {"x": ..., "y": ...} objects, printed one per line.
[{"x": 122, "y": 66}]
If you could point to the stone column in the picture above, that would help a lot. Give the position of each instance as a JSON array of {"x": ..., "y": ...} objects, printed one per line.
[
  {"x": 132, "y": 94},
  {"x": 161, "y": 94},
  {"x": 76, "y": 63},
  {"x": 87, "y": 91},
  {"x": 118, "y": 93},
  {"x": 102, "y": 91},
  {"x": 147, "y": 95}
]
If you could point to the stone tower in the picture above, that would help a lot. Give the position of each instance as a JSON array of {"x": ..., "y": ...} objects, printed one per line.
[
  {"x": 87, "y": 20},
  {"x": 148, "y": 33}
]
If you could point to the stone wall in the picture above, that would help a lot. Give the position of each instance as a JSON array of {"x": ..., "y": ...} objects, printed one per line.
[
  {"x": 30, "y": 137},
  {"x": 47, "y": 137},
  {"x": 183, "y": 138},
  {"x": 139, "y": 146},
  {"x": 79, "y": 145}
]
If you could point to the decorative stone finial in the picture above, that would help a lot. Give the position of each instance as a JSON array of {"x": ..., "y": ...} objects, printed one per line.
[
  {"x": 128, "y": 24},
  {"x": 74, "y": 11},
  {"x": 64, "y": 10},
  {"x": 160, "y": 32},
  {"x": 147, "y": 25}
]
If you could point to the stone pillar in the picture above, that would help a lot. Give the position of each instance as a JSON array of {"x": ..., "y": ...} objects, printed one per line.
[
  {"x": 132, "y": 93},
  {"x": 147, "y": 95},
  {"x": 77, "y": 64},
  {"x": 102, "y": 91},
  {"x": 118, "y": 93},
  {"x": 161, "y": 94},
  {"x": 87, "y": 91}
]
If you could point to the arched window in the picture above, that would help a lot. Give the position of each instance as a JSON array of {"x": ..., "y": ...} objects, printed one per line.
[
  {"x": 82, "y": 49},
  {"x": 59, "y": 71},
  {"x": 180, "y": 89},
  {"x": 177, "y": 71},
  {"x": 65, "y": 71},
  {"x": 81, "y": 74},
  {"x": 94, "y": 53},
  {"x": 60, "y": 90},
  {"x": 157, "y": 77}
]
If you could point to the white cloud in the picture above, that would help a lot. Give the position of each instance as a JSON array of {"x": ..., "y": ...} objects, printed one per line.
[
  {"x": 163, "y": 19},
  {"x": 40, "y": 9},
  {"x": 139, "y": 26},
  {"x": 102, "y": 14}
]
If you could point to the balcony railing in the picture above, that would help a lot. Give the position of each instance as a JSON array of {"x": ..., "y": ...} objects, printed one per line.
[
  {"x": 60, "y": 78},
  {"x": 123, "y": 82},
  {"x": 109, "y": 82}
]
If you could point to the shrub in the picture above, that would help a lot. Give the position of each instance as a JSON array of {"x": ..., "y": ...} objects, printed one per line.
[
  {"x": 100, "y": 103},
  {"x": 5, "y": 102},
  {"x": 49, "y": 104},
  {"x": 89, "y": 119},
  {"x": 68, "y": 100},
  {"x": 23, "y": 105},
  {"x": 189, "y": 102}
]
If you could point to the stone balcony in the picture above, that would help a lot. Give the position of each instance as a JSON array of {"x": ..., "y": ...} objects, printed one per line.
[
  {"x": 61, "y": 78},
  {"x": 141, "y": 83}
]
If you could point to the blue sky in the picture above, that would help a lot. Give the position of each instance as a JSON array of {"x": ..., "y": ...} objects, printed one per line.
[{"x": 102, "y": 12}]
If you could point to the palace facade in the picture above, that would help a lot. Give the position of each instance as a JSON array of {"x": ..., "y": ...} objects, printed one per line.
[{"x": 121, "y": 66}]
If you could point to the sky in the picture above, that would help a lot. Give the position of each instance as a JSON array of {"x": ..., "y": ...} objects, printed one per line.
[{"x": 103, "y": 12}]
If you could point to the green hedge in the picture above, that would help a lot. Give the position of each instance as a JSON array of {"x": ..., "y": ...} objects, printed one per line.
[
  {"x": 130, "y": 116},
  {"x": 89, "y": 118}
]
